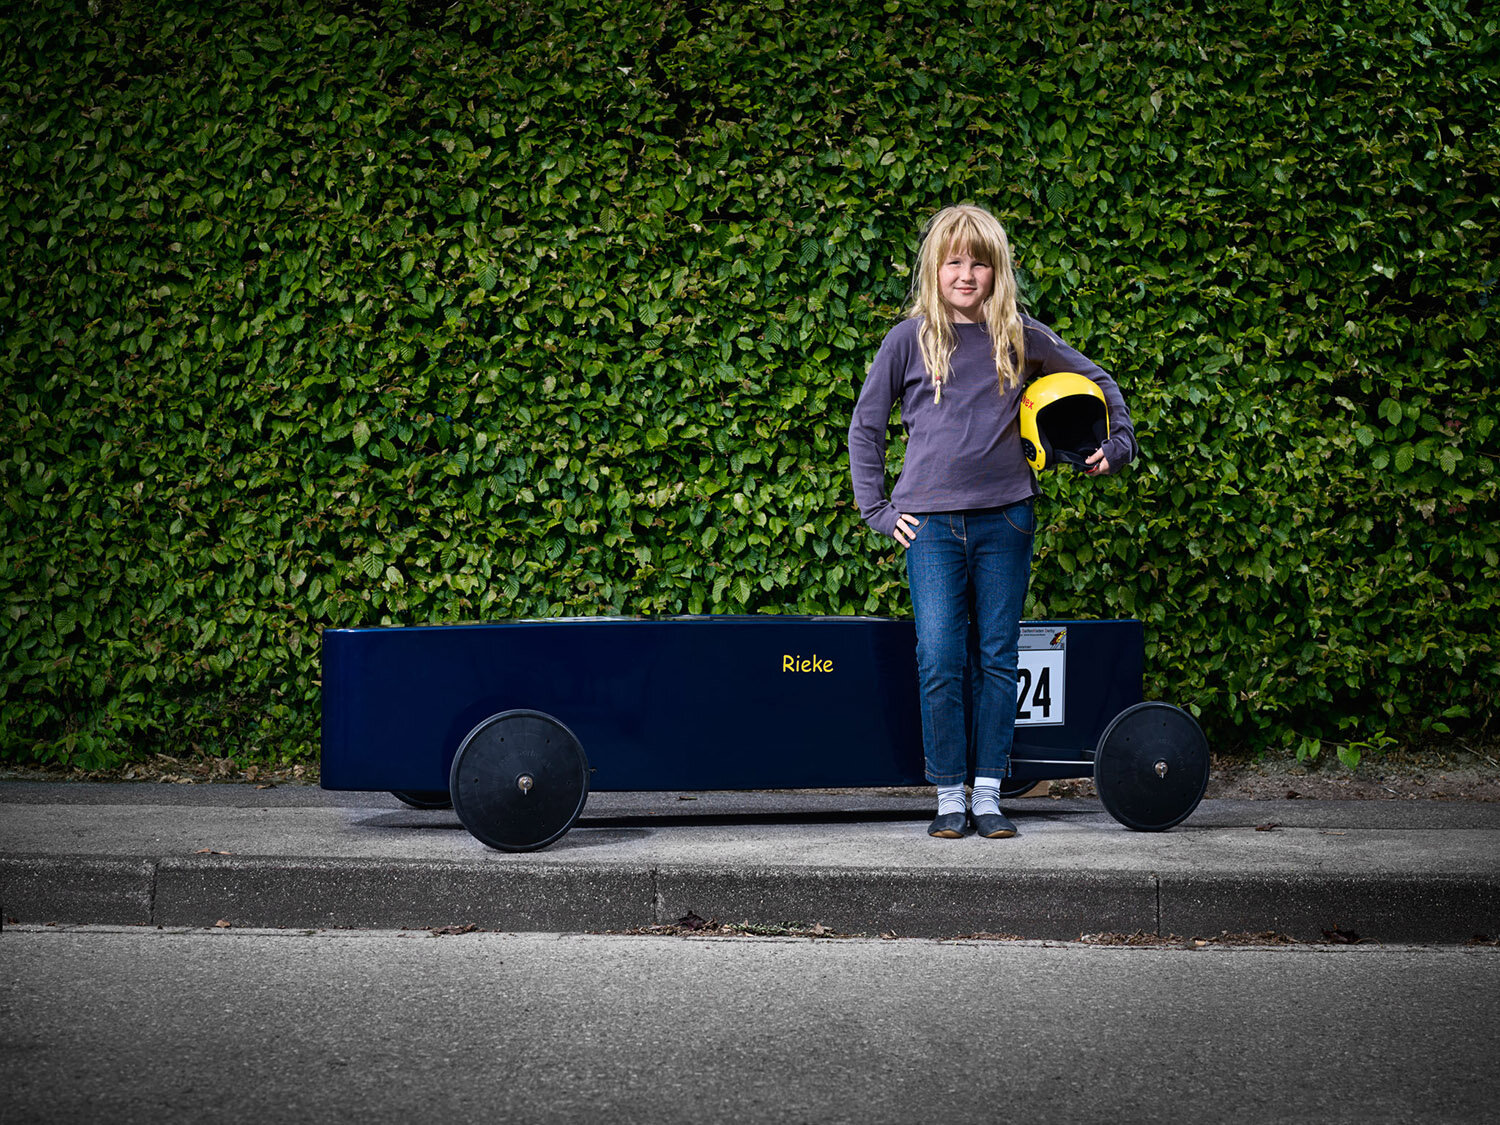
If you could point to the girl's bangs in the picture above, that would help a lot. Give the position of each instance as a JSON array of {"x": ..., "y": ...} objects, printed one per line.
[{"x": 965, "y": 237}]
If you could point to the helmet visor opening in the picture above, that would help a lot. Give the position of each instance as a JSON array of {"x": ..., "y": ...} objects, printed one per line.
[{"x": 1074, "y": 427}]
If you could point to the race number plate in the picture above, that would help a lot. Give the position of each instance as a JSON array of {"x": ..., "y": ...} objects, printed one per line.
[{"x": 1041, "y": 678}]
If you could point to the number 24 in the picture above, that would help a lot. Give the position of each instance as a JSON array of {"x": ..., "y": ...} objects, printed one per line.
[{"x": 1041, "y": 698}]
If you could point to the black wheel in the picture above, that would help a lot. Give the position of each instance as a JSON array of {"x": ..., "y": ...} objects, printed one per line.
[
  {"x": 519, "y": 780},
  {"x": 423, "y": 798},
  {"x": 1151, "y": 767},
  {"x": 1013, "y": 787}
]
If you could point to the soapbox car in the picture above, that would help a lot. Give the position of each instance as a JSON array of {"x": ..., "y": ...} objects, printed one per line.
[{"x": 515, "y": 722}]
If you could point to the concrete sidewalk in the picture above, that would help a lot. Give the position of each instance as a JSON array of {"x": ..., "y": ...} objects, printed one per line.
[{"x": 856, "y": 862}]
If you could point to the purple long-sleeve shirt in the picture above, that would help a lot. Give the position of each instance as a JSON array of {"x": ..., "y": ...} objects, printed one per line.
[{"x": 964, "y": 452}]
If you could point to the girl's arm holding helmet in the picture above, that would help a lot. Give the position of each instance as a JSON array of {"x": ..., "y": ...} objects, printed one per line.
[{"x": 1046, "y": 353}]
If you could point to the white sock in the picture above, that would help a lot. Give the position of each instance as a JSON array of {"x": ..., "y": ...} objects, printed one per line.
[
  {"x": 950, "y": 799},
  {"x": 986, "y": 800}
]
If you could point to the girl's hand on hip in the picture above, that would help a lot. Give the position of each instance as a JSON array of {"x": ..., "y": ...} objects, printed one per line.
[
  {"x": 1098, "y": 463},
  {"x": 906, "y": 529}
]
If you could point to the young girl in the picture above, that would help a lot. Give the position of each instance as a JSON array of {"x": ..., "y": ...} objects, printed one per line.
[{"x": 963, "y": 507}]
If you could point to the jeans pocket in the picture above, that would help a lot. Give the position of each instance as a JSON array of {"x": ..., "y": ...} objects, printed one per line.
[{"x": 1022, "y": 517}]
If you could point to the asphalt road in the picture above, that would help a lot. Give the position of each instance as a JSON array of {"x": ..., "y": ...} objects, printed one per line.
[{"x": 145, "y": 1025}]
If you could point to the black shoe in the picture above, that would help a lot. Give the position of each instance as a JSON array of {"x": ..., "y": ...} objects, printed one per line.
[
  {"x": 993, "y": 826},
  {"x": 950, "y": 826}
]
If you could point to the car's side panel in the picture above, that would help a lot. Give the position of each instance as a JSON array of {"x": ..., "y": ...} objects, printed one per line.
[{"x": 708, "y": 702}]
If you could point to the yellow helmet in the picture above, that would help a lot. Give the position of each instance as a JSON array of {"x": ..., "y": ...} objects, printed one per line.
[{"x": 1064, "y": 419}]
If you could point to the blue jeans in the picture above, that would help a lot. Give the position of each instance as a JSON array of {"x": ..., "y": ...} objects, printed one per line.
[{"x": 968, "y": 573}]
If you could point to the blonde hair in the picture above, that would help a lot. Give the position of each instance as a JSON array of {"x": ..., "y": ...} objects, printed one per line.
[{"x": 974, "y": 231}]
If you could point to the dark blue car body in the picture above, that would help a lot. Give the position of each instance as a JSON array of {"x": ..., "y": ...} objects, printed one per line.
[{"x": 702, "y": 702}]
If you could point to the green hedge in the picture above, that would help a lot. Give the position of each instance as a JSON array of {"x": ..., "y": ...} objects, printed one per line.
[{"x": 339, "y": 314}]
